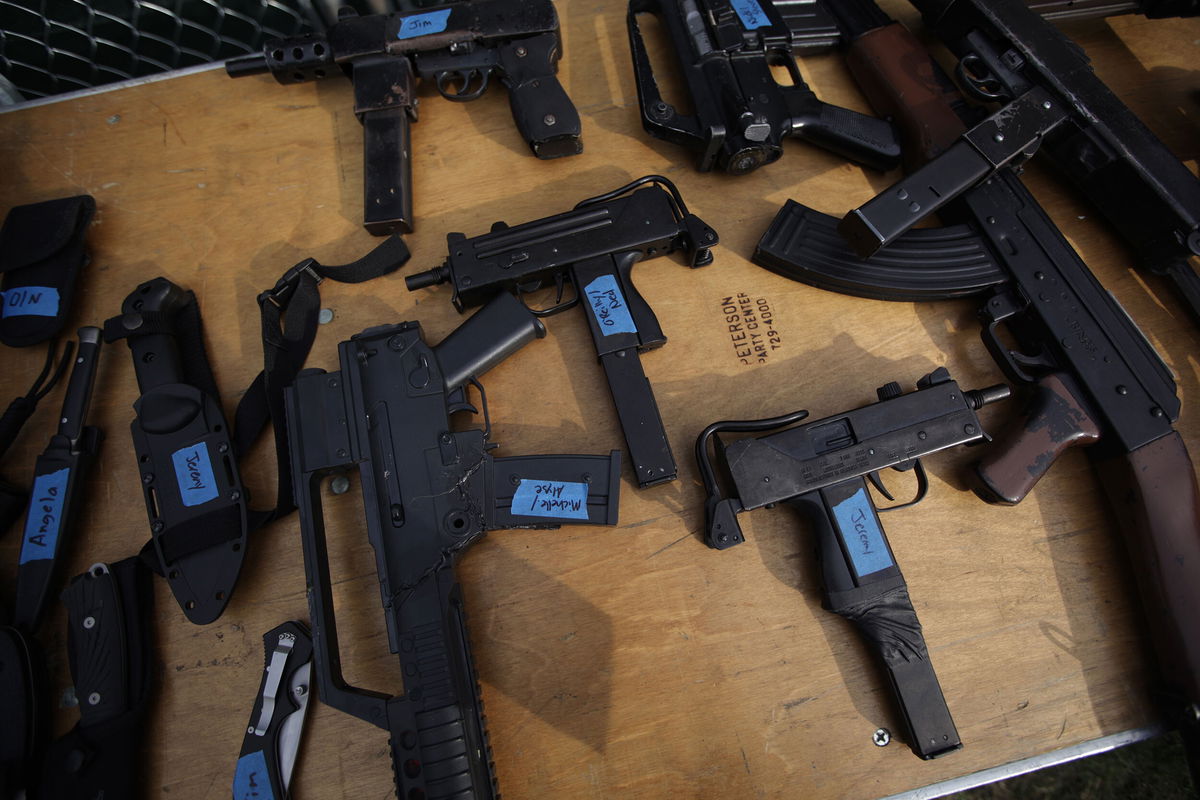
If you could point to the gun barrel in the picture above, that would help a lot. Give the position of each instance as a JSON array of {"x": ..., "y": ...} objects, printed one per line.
[
  {"x": 430, "y": 277},
  {"x": 252, "y": 64}
]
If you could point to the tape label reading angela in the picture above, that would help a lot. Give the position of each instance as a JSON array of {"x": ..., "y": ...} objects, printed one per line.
[
  {"x": 561, "y": 499},
  {"x": 251, "y": 781},
  {"x": 45, "y": 515}
]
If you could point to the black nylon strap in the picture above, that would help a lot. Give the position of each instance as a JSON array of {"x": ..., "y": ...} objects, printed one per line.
[{"x": 289, "y": 327}]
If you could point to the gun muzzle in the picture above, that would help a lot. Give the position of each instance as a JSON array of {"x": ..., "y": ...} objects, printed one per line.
[
  {"x": 978, "y": 398},
  {"x": 253, "y": 64},
  {"x": 430, "y": 277}
]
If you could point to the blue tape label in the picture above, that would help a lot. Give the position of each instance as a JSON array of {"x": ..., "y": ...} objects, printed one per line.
[
  {"x": 751, "y": 14},
  {"x": 535, "y": 498},
  {"x": 251, "y": 780},
  {"x": 421, "y": 24},
  {"x": 194, "y": 474},
  {"x": 30, "y": 301},
  {"x": 608, "y": 306},
  {"x": 45, "y": 515},
  {"x": 861, "y": 533}
]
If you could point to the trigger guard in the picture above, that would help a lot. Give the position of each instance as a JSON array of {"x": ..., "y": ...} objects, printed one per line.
[
  {"x": 976, "y": 86},
  {"x": 467, "y": 77}
]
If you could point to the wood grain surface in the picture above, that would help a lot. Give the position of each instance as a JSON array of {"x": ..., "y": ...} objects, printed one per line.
[{"x": 615, "y": 662}]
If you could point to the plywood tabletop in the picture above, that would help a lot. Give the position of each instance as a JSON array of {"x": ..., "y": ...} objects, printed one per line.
[{"x": 628, "y": 661}]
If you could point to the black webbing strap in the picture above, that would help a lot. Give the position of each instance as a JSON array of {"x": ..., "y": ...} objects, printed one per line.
[
  {"x": 289, "y": 325},
  {"x": 290, "y": 313}
]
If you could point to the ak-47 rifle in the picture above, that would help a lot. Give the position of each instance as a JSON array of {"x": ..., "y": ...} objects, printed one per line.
[
  {"x": 429, "y": 492},
  {"x": 1096, "y": 381},
  {"x": 1050, "y": 102}
]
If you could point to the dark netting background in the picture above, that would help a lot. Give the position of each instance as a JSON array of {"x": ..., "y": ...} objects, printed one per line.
[{"x": 53, "y": 46}]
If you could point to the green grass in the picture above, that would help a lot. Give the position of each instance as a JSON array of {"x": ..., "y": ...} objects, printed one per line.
[{"x": 1152, "y": 769}]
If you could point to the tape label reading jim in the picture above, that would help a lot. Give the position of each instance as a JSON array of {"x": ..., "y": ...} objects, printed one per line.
[
  {"x": 421, "y": 24},
  {"x": 30, "y": 301},
  {"x": 251, "y": 781},
  {"x": 860, "y": 531},
  {"x": 608, "y": 306},
  {"x": 194, "y": 474},
  {"x": 45, "y": 515},
  {"x": 561, "y": 499}
]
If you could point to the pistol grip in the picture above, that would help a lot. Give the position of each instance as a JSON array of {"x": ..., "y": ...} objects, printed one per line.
[
  {"x": 544, "y": 114},
  {"x": 1055, "y": 419},
  {"x": 860, "y": 138}
]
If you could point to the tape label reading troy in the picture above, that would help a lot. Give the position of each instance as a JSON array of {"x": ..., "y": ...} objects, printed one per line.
[
  {"x": 751, "y": 14},
  {"x": 194, "y": 474},
  {"x": 45, "y": 515},
  {"x": 30, "y": 301},
  {"x": 608, "y": 306},
  {"x": 561, "y": 499},
  {"x": 860, "y": 531},
  {"x": 421, "y": 24}
]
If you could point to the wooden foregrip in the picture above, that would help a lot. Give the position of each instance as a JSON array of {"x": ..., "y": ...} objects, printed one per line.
[
  {"x": 1055, "y": 420},
  {"x": 902, "y": 81},
  {"x": 1153, "y": 491}
]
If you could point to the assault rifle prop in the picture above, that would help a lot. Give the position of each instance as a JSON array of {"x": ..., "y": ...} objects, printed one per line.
[
  {"x": 593, "y": 247},
  {"x": 822, "y": 468},
  {"x": 725, "y": 50},
  {"x": 1052, "y": 102},
  {"x": 429, "y": 492},
  {"x": 458, "y": 47},
  {"x": 1095, "y": 379}
]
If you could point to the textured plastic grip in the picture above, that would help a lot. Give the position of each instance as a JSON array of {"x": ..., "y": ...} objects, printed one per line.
[
  {"x": 96, "y": 629},
  {"x": 923, "y": 264},
  {"x": 1055, "y": 420},
  {"x": 903, "y": 83},
  {"x": 447, "y": 754},
  {"x": 541, "y": 109},
  {"x": 857, "y": 137}
]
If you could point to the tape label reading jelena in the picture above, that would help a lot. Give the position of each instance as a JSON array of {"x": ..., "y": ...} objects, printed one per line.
[
  {"x": 421, "y": 24},
  {"x": 194, "y": 474},
  {"x": 860, "y": 531},
  {"x": 751, "y": 14},
  {"x": 45, "y": 515},
  {"x": 30, "y": 301},
  {"x": 608, "y": 306},
  {"x": 561, "y": 499}
]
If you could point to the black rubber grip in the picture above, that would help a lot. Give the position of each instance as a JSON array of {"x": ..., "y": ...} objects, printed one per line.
[{"x": 923, "y": 264}]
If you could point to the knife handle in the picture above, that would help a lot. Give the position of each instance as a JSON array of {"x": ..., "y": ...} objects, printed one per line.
[
  {"x": 96, "y": 645},
  {"x": 273, "y": 733}
]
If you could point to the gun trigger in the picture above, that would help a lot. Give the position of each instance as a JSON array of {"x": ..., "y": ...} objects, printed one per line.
[
  {"x": 877, "y": 482},
  {"x": 457, "y": 401},
  {"x": 559, "y": 285}
]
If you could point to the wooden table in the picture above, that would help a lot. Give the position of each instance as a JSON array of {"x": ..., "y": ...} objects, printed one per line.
[{"x": 629, "y": 661}]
